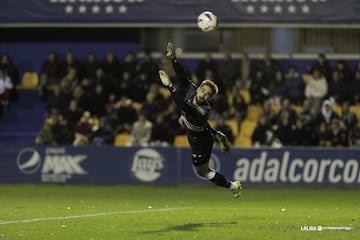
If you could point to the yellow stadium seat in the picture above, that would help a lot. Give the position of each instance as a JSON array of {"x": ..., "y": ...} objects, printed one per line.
[
  {"x": 356, "y": 109},
  {"x": 233, "y": 125},
  {"x": 253, "y": 112},
  {"x": 30, "y": 80},
  {"x": 297, "y": 108},
  {"x": 242, "y": 142},
  {"x": 306, "y": 78},
  {"x": 137, "y": 106},
  {"x": 247, "y": 128},
  {"x": 121, "y": 139},
  {"x": 165, "y": 92},
  {"x": 337, "y": 109},
  {"x": 246, "y": 95},
  {"x": 181, "y": 141}
]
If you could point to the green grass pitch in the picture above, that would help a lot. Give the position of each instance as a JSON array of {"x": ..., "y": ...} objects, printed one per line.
[{"x": 179, "y": 212}]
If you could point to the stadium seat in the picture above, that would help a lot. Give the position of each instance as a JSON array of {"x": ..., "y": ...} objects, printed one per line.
[
  {"x": 121, "y": 139},
  {"x": 337, "y": 109},
  {"x": 297, "y": 108},
  {"x": 181, "y": 141},
  {"x": 306, "y": 78},
  {"x": 242, "y": 142},
  {"x": 233, "y": 125},
  {"x": 30, "y": 80},
  {"x": 137, "y": 106},
  {"x": 247, "y": 128},
  {"x": 165, "y": 92},
  {"x": 356, "y": 109},
  {"x": 253, "y": 112},
  {"x": 246, "y": 95}
]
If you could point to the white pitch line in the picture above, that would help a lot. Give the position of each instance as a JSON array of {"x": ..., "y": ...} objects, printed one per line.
[{"x": 89, "y": 215}]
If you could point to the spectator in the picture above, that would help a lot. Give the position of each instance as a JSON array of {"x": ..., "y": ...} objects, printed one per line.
[
  {"x": 337, "y": 135},
  {"x": 125, "y": 87},
  {"x": 322, "y": 136},
  {"x": 101, "y": 78},
  {"x": 222, "y": 126},
  {"x": 316, "y": 89},
  {"x": 262, "y": 135},
  {"x": 49, "y": 74},
  {"x": 269, "y": 67},
  {"x": 57, "y": 99},
  {"x": 221, "y": 105},
  {"x": 6, "y": 86},
  {"x": 247, "y": 70},
  {"x": 141, "y": 88},
  {"x": 259, "y": 89},
  {"x": 45, "y": 136},
  {"x": 72, "y": 114},
  {"x": 354, "y": 89},
  {"x": 325, "y": 116},
  {"x": 150, "y": 107},
  {"x": 302, "y": 135},
  {"x": 306, "y": 113},
  {"x": 141, "y": 132},
  {"x": 127, "y": 115},
  {"x": 337, "y": 88},
  {"x": 227, "y": 71},
  {"x": 90, "y": 66},
  {"x": 69, "y": 82},
  {"x": 104, "y": 134},
  {"x": 322, "y": 64},
  {"x": 10, "y": 70},
  {"x": 240, "y": 106},
  {"x": 294, "y": 86},
  {"x": 130, "y": 63},
  {"x": 356, "y": 136},
  {"x": 98, "y": 102},
  {"x": 344, "y": 71},
  {"x": 276, "y": 88},
  {"x": 61, "y": 133},
  {"x": 284, "y": 132},
  {"x": 112, "y": 67},
  {"x": 83, "y": 132},
  {"x": 348, "y": 118},
  {"x": 269, "y": 113},
  {"x": 287, "y": 112},
  {"x": 161, "y": 135},
  {"x": 149, "y": 67},
  {"x": 85, "y": 93},
  {"x": 69, "y": 63},
  {"x": 207, "y": 65}
]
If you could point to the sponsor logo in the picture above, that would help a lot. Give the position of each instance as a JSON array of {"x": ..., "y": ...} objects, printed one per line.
[
  {"x": 57, "y": 166},
  {"x": 28, "y": 161},
  {"x": 147, "y": 165},
  {"x": 286, "y": 169},
  {"x": 214, "y": 163}
]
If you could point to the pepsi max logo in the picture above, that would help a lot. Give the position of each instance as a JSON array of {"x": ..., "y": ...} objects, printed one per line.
[{"x": 28, "y": 161}]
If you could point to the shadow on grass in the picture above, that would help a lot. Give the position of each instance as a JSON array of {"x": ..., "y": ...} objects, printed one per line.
[{"x": 190, "y": 227}]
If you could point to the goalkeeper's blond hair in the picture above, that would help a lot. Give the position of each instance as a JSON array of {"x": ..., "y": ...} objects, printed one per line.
[{"x": 214, "y": 88}]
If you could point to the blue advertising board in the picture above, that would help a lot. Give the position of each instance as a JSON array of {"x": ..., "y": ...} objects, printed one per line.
[
  {"x": 144, "y": 12},
  {"x": 169, "y": 165}
]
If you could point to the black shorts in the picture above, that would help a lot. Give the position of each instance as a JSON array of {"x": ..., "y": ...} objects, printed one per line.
[{"x": 201, "y": 144}]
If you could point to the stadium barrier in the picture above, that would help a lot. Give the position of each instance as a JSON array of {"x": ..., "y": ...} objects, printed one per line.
[{"x": 169, "y": 165}]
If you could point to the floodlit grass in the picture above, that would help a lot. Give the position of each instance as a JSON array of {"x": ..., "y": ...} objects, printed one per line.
[{"x": 181, "y": 212}]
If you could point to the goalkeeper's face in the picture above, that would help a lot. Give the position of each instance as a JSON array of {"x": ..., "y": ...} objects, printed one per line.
[{"x": 203, "y": 94}]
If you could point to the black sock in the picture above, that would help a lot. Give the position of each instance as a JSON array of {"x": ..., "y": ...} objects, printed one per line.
[{"x": 220, "y": 180}]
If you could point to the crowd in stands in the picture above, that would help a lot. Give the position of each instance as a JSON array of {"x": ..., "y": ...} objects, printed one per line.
[{"x": 93, "y": 101}]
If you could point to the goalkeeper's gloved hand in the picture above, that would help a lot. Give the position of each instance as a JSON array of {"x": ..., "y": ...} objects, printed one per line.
[{"x": 170, "y": 51}]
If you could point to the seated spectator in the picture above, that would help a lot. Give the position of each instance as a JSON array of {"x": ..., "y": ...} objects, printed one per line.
[
  {"x": 323, "y": 65},
  {"x": 57, "y": 99},
  {"x": 356, "y": 136},
  {"x": 348, "y": 118},
  {"x": 72, "y": 114},
  {"x": 130, "y": 63},
  {"x": 270, "y": 113},
  {"x": 354, "y": 89},
  {"x": 240, "y": 106},
  {"x": 269, "y": 67},
  {"x": 222, "y": 126},
  {"x": 247, "y": 70},
  {"x": 141, "y": 132},
  {"x": 322, "y": 136},
  {"x": 127, "y": 115},
  {"x": 277, "y": 89},
  {"x": 62, "y": 135},
  {"x": 161, "y": 135},
  {"x": 45, "y": 136},
  {"x": 69, "y": 82},
  {"x": 344, "y": 71},
  {"x": 101, "y": 78},
  {"x": 337, "y": 88},
  {"x": 306, "y": 113},
  {"x": 325, "y": 116},
  {"x": 171, "y": 116},
  {"x": 10, "y": 69},
  {"x": 70, "y": 62},
  {"x": 284, "y": 132},
  {"x": 286, "y": 111},
  {"x": 125, "y": 87},
  {"x": 149, "y": 67},
  {"x": 150, "y": 107},
  {"x": 316, "y": 89},
  {"x": 104, "y": 134},
  {"x": 337, "y": 135},
  {"x": 83, "y": 132},
  {"x": 294, "y": 86},
  {"x": 259, "y": 88},
  {"x": 112, "y": 67},
  {"x": 207, "y": 64},
  {"x": 221, "y": 105},
  {"x": 262, "y": 135},
  {"x": 49, "y": 75},
  {"x": 227, "y": 71},
  {"x": 142, "y": 86},
  {"x": 98, "y": 102},
  {"x": 302, "y": 135},
  {"x": 5, "y": 91},
  {"x": 90, "y": 66}
]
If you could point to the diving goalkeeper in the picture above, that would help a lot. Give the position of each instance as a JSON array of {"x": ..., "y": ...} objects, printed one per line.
[{"x": 195, "y": 108}]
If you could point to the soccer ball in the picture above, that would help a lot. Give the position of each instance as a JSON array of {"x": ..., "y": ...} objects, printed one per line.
[{"x": 207, "y": 21}]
